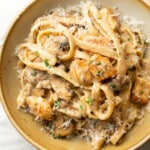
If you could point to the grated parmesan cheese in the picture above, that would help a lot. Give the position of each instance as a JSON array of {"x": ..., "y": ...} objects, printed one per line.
[
  {"x": 133, "y": 22},
  {"x": 147, "y": 40}
]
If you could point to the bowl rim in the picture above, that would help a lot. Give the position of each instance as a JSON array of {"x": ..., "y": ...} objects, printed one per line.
[
  {"x": 2, "y": 99},
  {"x": 27, "y": 6}
]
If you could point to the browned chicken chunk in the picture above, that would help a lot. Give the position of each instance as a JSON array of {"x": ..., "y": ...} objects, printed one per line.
[
  {"x": 101, "y": 68},
  {"x": 79, "y": 71},
  {"x": 40, "y": 107},
  {"x": 141, "y": 91}
]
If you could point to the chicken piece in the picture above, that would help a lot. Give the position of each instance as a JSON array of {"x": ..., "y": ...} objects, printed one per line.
[
  {"x": 108, "y": 13},
  {"x": 38, "y": 92},
  {"x": 40, "y": 107},
  {"x": 102, "y": 41},
  {"x": 101, "y": 68},
  {"x": 61, "y": 87},
  {"x": 79, "y": 71},
  {"x": 63, "y": 126},
  {"x": 141, "y": 91}
]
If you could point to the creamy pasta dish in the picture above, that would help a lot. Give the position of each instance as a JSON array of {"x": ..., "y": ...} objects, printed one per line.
[{"x": 82, "y": 74}]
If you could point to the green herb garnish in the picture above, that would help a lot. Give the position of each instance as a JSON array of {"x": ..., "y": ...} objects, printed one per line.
[
  {"x": 129, "y": 39},
  {"x": 128, "y": 83},
  {"x": 113, "y": 86},
  {"x": 65, "y": 112},
  {"x": 146, "y": 43},
  {"x": 91, "y": 61},
  {"x": 141, "y": 92},
  {"x": 33, "y": 73},
  {"x": 23, "y": 59},
  {"x": 98, "y": 63},
  {"x": 56, "y": 136},
  {"x": 81, "y": 107},
  {"x": 131, "y": 69},
  {"x": 37, "y": 53},
  {"x": 57, "y": 104},
  {"x": 46, "y": 62},
  {"x": 80, "y": 13},
  {"x": 89, "y": 100},
  {"x": 51, "y": 127},
  {"x": 99, "y": 73},
  {"x": 57, "y": 57}
]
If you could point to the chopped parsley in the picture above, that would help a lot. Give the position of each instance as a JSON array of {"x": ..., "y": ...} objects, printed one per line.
[
  {"x": 33, "y": 73},
  {"x": 57, "y": 104},
  {"x": 141, "y": 92},
  {"x": 80, "y": 13},
  {"x": 64, "y": 112},
  {"x": 98, "y": 63},
  {"x": 113, "y": 86},
  {"x": 91, "y": 62},
  {"x": 56, "y": 136},
  {"x": 94, "y": 123},
  {"x": 131, "y": 69},
  {"x": 57, "y": 57},
  {"x": 23, "y": 59},
  {"x": 89, "y": 100},
  {"x": 81, "y": 107},
  {"x": 46, "y": 62},
  {"x": 146, "y": 43},
  {"x": 99, "y": 73},
  {"x": 37, "y": 53},
  {"x": 51, "y": 127},
  {"x": 128, "y": 83},
  {"x": 129, "y": 39}
]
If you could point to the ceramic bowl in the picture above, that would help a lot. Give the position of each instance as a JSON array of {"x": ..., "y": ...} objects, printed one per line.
[{"x": 10, "y": 86}]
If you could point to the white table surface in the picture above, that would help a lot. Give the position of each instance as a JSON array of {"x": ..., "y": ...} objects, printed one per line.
[{"x": 10, "y": 139}]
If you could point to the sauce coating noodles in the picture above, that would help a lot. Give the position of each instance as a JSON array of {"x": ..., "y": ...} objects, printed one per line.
[{"x": 81, "y": 73}]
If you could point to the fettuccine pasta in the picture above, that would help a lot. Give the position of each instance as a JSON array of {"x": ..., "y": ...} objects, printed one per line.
[{"x": 81, "y": 73}]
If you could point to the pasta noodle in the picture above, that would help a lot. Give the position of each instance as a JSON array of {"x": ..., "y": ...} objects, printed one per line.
[{"x": 81, "y": 73}]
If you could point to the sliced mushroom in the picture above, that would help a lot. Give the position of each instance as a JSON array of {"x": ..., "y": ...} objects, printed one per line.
[
  {"x": 63, "y": 126},
  {"x": 119, "y": 83}
]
